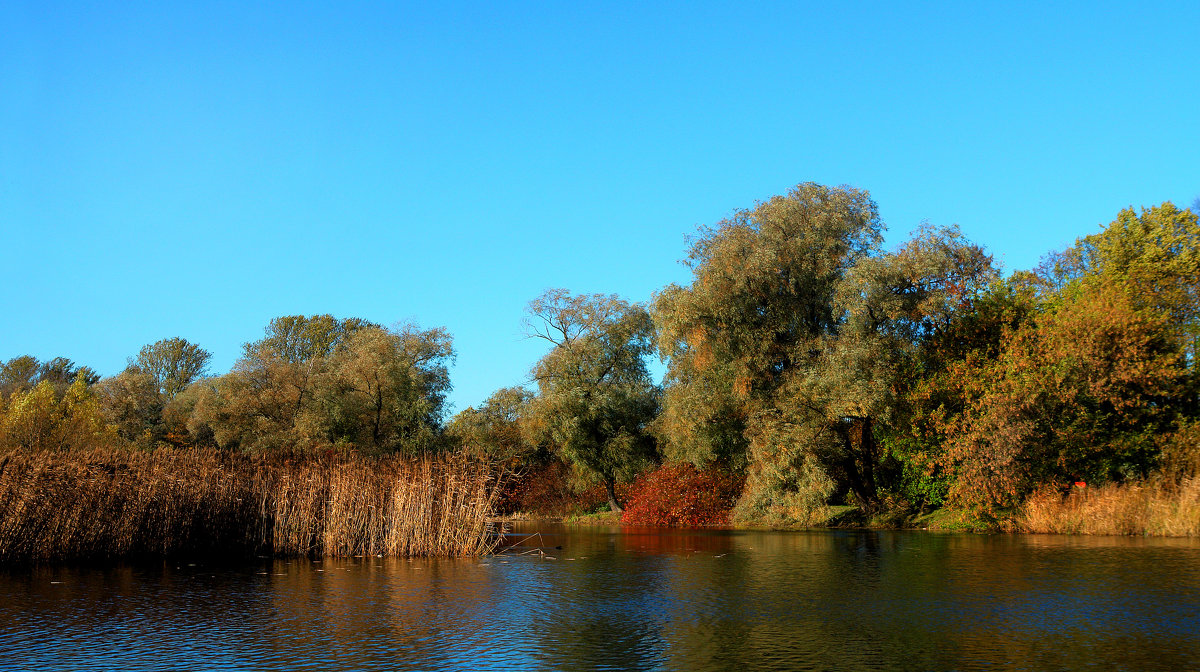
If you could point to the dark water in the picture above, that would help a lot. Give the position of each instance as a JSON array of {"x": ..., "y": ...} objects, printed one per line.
[{"x": 635, "y": 600}]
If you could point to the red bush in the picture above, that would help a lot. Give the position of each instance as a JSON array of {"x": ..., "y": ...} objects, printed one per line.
[{"x": 677, "y": 494}]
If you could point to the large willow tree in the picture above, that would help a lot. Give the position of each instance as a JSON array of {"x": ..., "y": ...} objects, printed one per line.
[
  {"x": 760, "y": 302},
  {"x": 787, "y": 350}
]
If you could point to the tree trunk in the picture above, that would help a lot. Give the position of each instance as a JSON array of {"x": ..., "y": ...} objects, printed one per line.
[
  {"x": 859, "y": 461},
  {"x": 866, "y": 442},
  {"x": 610, "y": 486}
]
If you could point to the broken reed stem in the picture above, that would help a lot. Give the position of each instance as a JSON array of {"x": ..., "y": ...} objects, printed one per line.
[{"x": 115, "y": 503}]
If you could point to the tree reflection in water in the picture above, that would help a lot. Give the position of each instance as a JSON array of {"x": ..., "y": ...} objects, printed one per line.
[{"x": 637, "y": 599}]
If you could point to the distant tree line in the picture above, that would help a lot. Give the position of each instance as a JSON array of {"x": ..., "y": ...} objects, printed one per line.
[{"x": 803, "y": 358}]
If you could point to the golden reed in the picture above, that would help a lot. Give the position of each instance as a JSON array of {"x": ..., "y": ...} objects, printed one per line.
[
  {"x": 115, "y": 503},
  {"x": 1153, "y": 508}
]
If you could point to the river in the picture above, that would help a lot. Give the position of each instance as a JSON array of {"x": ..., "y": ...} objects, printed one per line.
[{"x": 632, "y": 600}]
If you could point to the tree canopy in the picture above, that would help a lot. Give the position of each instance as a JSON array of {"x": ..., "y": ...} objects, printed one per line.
[
  {"x": 316, "y": 381},
  {"x": 173, "y": 363}
]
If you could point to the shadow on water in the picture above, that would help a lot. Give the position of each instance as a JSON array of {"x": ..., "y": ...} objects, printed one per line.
[{"x": 632, "y": 599}]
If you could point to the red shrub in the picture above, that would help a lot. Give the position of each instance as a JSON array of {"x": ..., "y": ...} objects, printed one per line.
[{"x": 677, "y": 494}]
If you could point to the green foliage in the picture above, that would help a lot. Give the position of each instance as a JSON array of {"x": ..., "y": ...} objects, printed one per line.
[
  {"x": 19, "y": 374},
  {"x": 917, "y": 476},
  {"x": 1155, "y": 255},
  {"x": 385, "y": 390},
  {"x": 132, "y": 405},
  {"x": 786, "y": 483},
  {"x": 298, "y": 339},
  {"x": 173, "y": 364},
  {"x": 595, "y": 398},
  {"x": 494, "y": 430},
  {"x": 318, "y": 382},
  {"x": 791, "y": 349},
  {"x": 62, "y": 373},
  {"x": 763, "y": 286}
]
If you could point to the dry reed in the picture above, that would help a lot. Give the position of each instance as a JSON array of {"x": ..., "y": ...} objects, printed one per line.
[
  {"x": 1153, "y": 508},
  {"x": 117, "y": 503}
]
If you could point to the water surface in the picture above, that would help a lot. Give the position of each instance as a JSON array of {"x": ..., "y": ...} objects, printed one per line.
[{"x": 633, "y": 600}]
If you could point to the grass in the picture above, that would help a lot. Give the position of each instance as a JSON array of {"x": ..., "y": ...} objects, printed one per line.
[
  {"x": 1152, "y": 508},
  {"x": 954, "y": 520},
  {"x": 605, "y": 517},
  {"x": 104, "y": 503}
]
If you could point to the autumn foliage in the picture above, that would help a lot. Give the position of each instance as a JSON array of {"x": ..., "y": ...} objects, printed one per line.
[
  {"x": 678, "y": 494},
  {"x": 807, "y": 366}
]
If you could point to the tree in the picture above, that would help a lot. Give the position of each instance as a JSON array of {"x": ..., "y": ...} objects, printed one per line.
[
  {"x": 386, "y": 389},
  {"x": 890, "y": 307},
  {"x": 18, "y": 374},
  {"x": 762, "y": 294},
  {"x": 42, "y": 418},
  {"x": 269, "y": 400},
  {"x": 1156, "y": 255},
  {"x": 1099, "y": 377},
  {"x": 1083, "y": 391},
  {"x": 942, "y": 382},
  {"x": 62, "y": 373},
  {"x": 22, "y": 373},
  {"x": 316, "y": 382},
  {"x": 298, "y": 339},
  {"x": 757, "y": 316},
  {"x": 595, "y": 398},
  {"x": 132, "y": 405},
  {"x": 791, "y": 349},
  {"x": 494, "y": 430},
  {"x": 173, "y": 363}
]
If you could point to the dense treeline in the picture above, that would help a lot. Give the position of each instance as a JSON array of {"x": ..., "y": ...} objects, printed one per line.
[
  {"x": 809, "y": 369},
  {"x": 312, "y": 383},
  {"x": 832, "y": 371}
]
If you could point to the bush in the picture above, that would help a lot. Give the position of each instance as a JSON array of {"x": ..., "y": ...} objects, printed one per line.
[{"x": 678, "y": 494}]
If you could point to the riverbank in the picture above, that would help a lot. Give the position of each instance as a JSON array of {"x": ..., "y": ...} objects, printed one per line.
[
  {"x": 1153, "y": 508},
  {"x": 113, "y": 503}
]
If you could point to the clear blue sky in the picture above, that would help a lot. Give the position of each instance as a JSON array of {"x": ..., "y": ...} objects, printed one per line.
[{"x": 195, "y": 171}]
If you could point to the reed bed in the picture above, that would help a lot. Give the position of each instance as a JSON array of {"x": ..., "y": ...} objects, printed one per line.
[
  {"x": 1154, "y": 508},
  {"x": 100, "y": 504}
]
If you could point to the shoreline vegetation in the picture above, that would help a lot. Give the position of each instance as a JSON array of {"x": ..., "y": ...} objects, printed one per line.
[
  {"x": 1152, "y": 509},
  {"x": 814, "y": 378},
  {"x": 114, "y": 503}
]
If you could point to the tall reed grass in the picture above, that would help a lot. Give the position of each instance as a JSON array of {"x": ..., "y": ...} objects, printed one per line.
[
  {"x": 116, "y": 503},
  {"x": 1152, "y": 508}
]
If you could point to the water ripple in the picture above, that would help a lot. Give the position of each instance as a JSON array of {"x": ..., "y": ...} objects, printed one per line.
[{"x": 643, "y": 600}]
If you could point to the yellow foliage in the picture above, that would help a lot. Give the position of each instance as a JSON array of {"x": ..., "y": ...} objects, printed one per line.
[{"x": 39, "y": 420}]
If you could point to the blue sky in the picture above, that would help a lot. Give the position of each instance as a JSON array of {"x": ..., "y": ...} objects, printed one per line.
[{"x": 196, "y": 170}]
